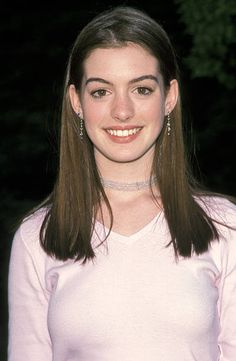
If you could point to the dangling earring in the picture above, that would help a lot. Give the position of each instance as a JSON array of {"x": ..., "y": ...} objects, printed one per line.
[
  {"x": 168, "y": 125},
  {"x": 81, "y": 126}
]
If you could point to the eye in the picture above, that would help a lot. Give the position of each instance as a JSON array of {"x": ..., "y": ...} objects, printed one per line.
[
  {"x": 141, "y": 90},
  {"x": 99, "y": 93}
]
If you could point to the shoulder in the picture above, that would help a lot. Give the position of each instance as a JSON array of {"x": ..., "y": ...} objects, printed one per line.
[
  {"x": 222, "y": 212},
  {"x": 28, "y": 232},
  {"x": 219, "y": 208},
  {"x": 29, "y": 263},
  {"x": 31, "y": 225}
]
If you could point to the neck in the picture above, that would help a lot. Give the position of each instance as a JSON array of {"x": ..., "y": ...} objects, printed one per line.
[{"x": 127, "y": 172}]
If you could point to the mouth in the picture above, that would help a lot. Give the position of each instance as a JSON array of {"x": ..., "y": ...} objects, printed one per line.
[{"x": 121, "y": 133}]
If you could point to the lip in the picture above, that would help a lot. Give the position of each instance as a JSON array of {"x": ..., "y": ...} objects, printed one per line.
[
  {"x": 125, "y": 127},
  {"x": 123, "y": 139}
]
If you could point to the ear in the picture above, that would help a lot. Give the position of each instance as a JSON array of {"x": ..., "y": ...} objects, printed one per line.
[
  {"x": 172, "y": 96},
  {"x": 75, "y": 100}
]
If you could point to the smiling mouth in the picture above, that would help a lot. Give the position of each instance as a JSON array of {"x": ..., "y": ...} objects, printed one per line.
[{"x": 123, "y": 133}]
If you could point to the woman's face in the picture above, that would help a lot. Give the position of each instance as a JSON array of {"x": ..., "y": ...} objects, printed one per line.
[{"x": 123, "y": 103}]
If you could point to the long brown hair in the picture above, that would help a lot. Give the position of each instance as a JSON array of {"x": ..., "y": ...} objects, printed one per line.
[{"x": 72, "y": 207}]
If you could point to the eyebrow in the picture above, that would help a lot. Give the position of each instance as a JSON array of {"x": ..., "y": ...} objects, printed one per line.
[
  {"x": 144, "y": 77},
  {"x": 132, "y": 81}
]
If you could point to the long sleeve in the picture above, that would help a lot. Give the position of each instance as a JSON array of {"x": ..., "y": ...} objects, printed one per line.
[
  {"x": 93, "y": 311},
  {"x": 28, "y": 302},
  {"x": 227, "y": 304}
]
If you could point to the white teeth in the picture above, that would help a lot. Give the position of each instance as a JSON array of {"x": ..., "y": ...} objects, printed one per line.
[{"x": 123, "y": 133}]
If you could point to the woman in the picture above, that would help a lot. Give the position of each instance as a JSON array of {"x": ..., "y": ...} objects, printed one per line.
[{"x": 127, "y": 259}]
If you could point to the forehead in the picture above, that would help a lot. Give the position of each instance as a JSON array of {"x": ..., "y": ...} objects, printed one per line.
[{"x": 130, "y": 60}]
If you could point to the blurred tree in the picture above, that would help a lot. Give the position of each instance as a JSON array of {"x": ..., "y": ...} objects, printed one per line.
[
  {"x": 209, "y": 27},
  {"x": 212, "y": 27}
]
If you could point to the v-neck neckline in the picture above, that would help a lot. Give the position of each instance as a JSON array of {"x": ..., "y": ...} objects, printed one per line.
[{"x": 130, "y": 239}]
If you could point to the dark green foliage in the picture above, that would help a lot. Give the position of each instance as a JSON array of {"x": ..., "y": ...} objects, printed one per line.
[{"x": 211, "y": 25}]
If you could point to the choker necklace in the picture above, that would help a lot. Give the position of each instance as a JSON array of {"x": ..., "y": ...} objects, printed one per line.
[{"x": 136, "y": 186}]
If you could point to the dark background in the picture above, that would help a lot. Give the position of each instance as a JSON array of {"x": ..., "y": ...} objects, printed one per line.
[{"x": 34, "y": 48}]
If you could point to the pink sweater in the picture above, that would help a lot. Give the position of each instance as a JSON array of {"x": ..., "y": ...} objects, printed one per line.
[{"x": 132, "y": 303}]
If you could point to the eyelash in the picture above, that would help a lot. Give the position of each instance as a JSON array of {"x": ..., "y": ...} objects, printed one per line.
[
  {"x": 97, "y": 93},
  {"x": 144, "y": 90},
  {"x": 141, "y": 90}
]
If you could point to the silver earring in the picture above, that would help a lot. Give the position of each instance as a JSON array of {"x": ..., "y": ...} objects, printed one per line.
[
  {"x": 168, "y": 124},
  {"x": 81, "y": 126}
]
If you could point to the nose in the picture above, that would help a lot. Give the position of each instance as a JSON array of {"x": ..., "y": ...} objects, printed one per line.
[{"x": 122, "y": 108}]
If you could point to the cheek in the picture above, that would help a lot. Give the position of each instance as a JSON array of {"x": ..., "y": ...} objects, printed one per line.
[
  {"x": 91, "y": 120},
  {"x": 90, "y": 123},
  {"x": 153, "y": 107},
  {"x": 93, "y": 113},
  {"x": 94, "y": 121},
  {"x": 155, "y": 113}
]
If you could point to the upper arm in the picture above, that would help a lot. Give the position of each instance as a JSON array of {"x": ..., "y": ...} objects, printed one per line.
[
  {"x": 28, "y": 304},
  {"x": 227, "y": 300}
]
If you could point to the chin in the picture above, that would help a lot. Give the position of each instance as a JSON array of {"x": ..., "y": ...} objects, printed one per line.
[{"x": 125, "y": 159}]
